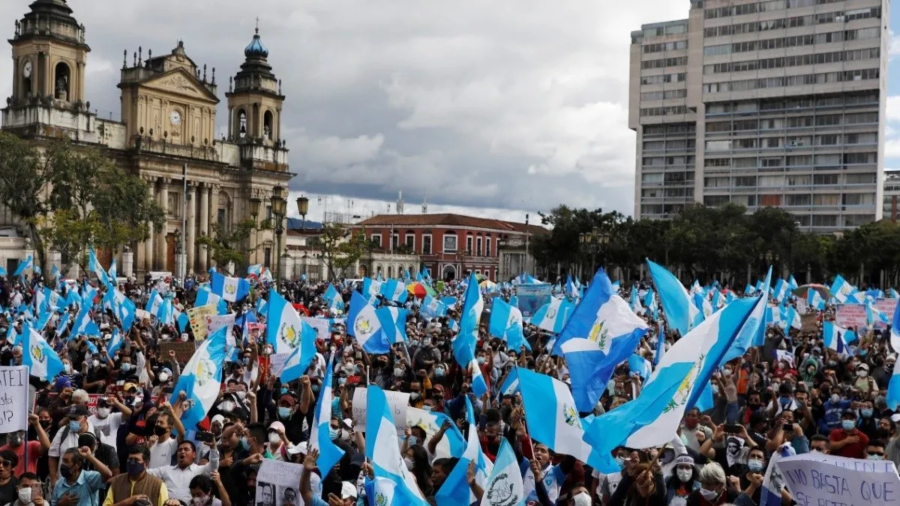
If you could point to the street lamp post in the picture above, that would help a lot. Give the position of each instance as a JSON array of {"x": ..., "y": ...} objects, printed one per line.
[
  {"x": 254, "y": 212},
  {"x": 278, "y": 210},
  {"x": 303, "y": 208}
]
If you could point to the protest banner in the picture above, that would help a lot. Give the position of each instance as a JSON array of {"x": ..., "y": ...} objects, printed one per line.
[
  {"x": 850, "y": 315},
  {"x": 886, "y": 306},
  {"x": 183, "y": 350},
  {"x": 398, "y": 402},
  {"x": 802, "y": 307},
  {"x": 197, "y": 317},
  {"x": 531, "y": 297},
  {"x": 277, "y": 483},
  {"x": 13, "y": 399},
  {"x": 814, "y": 479},
  {"x": 322, "y": 326},
  {"x": 809, "y": 323},
  {"x": 215, "y": 322}
]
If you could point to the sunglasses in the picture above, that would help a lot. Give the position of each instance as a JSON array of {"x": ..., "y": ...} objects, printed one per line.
[
  {"x": 5, "y": 463},
  {"x": 880, "y": 454}
]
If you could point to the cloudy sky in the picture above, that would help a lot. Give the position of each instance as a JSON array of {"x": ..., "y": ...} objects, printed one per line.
[{"x": 497, "y": 108}]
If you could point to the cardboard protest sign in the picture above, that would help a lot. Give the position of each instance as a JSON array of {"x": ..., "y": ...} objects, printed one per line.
[
  {"x": 183, "y": 350},
  {"x": 398, "y": 402},
  {"x": 815, "y": 479},
  {"x": 13, "y": 399},
  {"x": 850, "y": 315},
  {"x": 277, "y": 483},
  {"x": 197, "y": 317}
]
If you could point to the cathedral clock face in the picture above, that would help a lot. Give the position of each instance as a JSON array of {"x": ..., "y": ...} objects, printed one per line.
[
  {"x": 26, "y": 70},
  {"x": 175, "y": 118}
]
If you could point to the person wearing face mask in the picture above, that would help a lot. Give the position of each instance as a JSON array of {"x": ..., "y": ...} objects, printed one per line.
[
  {"x": 136, "y": 487},
  {"x": 162, "y": 444},
  {"x": 106, "y": 422},
  {"x": 202, "y": 491},
  {"x": 17, "y": 444},
  {"x": 848, "y": 441},
  {"x": 278, "y": 442},
  {"x": 713, "y": 490},
  {"x": 29, "y": 491},
  {"x": 67, "y": 437},
  {"x": 683, "y": 482},
  {"x": 833, "y": 407},
  {"x": 875, "y": 451},
  {"x": 753, "y": 477},
  {"x": 178, "y": 477}
]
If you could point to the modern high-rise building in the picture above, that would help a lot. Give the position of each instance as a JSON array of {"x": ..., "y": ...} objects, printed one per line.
[{"x": 763, "y": 103}]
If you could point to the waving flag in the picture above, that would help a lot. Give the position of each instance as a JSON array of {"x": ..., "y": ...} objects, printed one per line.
[
  {"x": 40, "y": 358},
  {"x": 505, "y": 485},
  {"x": 230, "y": 289},
  {"x": 842, "y": 290},
  {"x": 455, "y": 490},
  {"x": 432, "y": 308},
  {"x": 781, "y": 289},
  {"x": 653, "y": 418},
  {"x": 206, "y": 297},
  {"x": 383, "y": 450},
  {"x": 112, "y": 270},
  {"x": 394, "y": 290},
  {"x": 285, "y": 331},
  {"x": 640, "y": 365},
  {"x": 562, "y": 431},
  {"x": 27, "y": 264},
  {"x": 635, "y": 303},
  {"x": 329, "y": 453},
  {"x": 814, "y": 300},
  {"x": 506, "y": 324},
  {"x": 54, "y": 272},
  {"x": 154, "y": 302},
  {"x": 115, "y": 342},
  {"x": 95, "y": 267},
  {"x": 773, "y": 481},
  {"x": 571, "y": 288},
  {"x": 466, "y": 339},
  {"x": 371, "y": 289},
  {"x": 750, "y": 290},
  {"x": 874, "y": 317},
  {"x": 364, "y": 324},
  {"x": 84, "y": 324},
  {"x": 254, "y": 270},
  {"x": 893, "y": 392},
  {"x": 834, "y": 338},
  {"x": 681, "y": 313},
  {"x": 651, "y": 305},
  {"x": 201, "y": 378},
  {"x": 62, "y": 324},
  {"x": 333, "y": 299},
  {"x": 553, "y": 316}
]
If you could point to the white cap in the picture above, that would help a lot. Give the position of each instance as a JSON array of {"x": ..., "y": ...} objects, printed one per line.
[
  {"x": 276, "y": 426},
  {"x": 348, "y": 490},
  {"x": 300, "y": 448}
]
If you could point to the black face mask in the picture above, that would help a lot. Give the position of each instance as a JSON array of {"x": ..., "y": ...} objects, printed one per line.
[{"x": 160, "y": 430}]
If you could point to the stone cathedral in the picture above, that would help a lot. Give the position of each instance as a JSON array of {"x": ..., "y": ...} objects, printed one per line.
[{"x": 167, "y": 128}]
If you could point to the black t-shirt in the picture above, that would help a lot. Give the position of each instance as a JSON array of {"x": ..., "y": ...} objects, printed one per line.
[{"x": 9, "y": 492}]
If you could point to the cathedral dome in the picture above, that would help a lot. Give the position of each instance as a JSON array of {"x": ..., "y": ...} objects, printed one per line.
[{"x": 256, "y": 49}]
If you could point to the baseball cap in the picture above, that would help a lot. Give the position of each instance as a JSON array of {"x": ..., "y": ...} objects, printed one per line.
[
  {"x": 276, "y": 426},
  {"x": 348, "y": 490},
  {"x": 218, "y": 418},
  {"x": 76, "y": 410}
]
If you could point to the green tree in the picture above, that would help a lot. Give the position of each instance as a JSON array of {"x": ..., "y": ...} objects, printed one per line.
[
  {"x": 230, "y": 244},
  {"x": 341, "y": 248},
  {"x": 23, "y": 176}
]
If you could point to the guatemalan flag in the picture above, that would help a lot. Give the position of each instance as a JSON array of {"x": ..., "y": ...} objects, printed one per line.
[
  {"x": 230, "y": 289},
  {"x": 781, "y": 290},
  {"x": 333, "y": 299},
  {"x": 681, "y": 313},
  {"x": 365, "y": 324},
  {"x": 393, "y": 324},
  {"x": 201, "y": 378},
  {"x": 371, "y": 289},
  {"x": 895, "y": 330},
  {"x": 841, "y": 289},
  {"x": 26, "y": 264},
  {"x": 40, "y": 358},
  {"x": 112, "y": 270},
  {"x": 254, "y": 270},
  {"x": 114, "y": 343},
  {"x": 814, "y": 300},
  {"x": 456, "y": 490},
  {"x": 834, "y": 338},
  {"x": 750, "y": 290},
  {"x": 773, "y": 481},
  {"x": 154, "y": 303},
  {"x": 562, "y": 432},
  {"x": 602, "y": 332},
  {"x": 506, "y": 324},
  {"x": 893, "y": 393},
  {"x": 394, "y": 290},
  {"x": 466, "y": 339},
  {"x": 432, "y": 307},
  {"x": 84, "y": 324},
  {"x": 205, "y": 298},
  {"x": 383, "y": 451},
  {"x": 95, "y": 267},
  {"x": 874, "y": 317},
  {"x": 285, "y": 331},
  {"x": 553, "y": 316},
  {"x": 505, "y": 485},
  {"x": 653, "y": 418},
  {"x": 319, "y": 437}
]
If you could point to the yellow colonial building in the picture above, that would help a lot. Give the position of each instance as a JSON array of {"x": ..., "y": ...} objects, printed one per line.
[{"x": 166, "y": 135}]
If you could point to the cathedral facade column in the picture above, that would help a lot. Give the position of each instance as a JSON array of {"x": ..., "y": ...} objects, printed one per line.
[
  {"x": 191, "y": 232},
  {"x": 213, "y": 217},
  {"x": 161, "y": 257},
  {"x": 204, "y": 225},
  {"x": 147, "y": 260}
]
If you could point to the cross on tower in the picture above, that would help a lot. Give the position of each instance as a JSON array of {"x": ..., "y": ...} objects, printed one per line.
[{"x": 257, "y": 24}]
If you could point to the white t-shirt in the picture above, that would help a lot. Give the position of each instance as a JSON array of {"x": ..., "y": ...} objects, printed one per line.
[
  {"x": 107, "y": 428},
  {"x": 161, "y": 453}
]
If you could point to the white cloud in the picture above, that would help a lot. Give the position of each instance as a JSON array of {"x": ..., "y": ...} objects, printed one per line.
[
  {"x": 894, "y": 47},
  {"x": 893, "y": 109}
]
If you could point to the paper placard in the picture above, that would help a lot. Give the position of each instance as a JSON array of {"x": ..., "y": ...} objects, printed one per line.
[
  {"x": 13, "y": 399},
  {"x": 321, "y": 325},
  {"x": 398, "y": 402},
  {"x": 815, "y": 479},
  {"x": 183, "y": 350},
  {"x": 851, "y": 315},
  {"x": 142, "y": 315},
  {"x": 215, "y": 322},
  {"x": 886, "y": 306},
  {"x": 278, "y": 483},
  {"x": 197, "y": 317}
]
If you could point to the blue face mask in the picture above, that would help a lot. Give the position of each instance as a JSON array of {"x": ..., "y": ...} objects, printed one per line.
[
  {"x": 866, "y": 413},
  {"x": 333, "y": 433},
  {"x": 755, "y": 465},
  {"x": 848, "y": 424},
  {"x": 315, "y": 388},
  {"x": 439, "y": 372},
  {"x": 785, "y": 400},
  {"x": 284, "y": 390},
  {"x": 284, "y": 412},
  {"x": 342, "y": 381},
  {"x": 74, "y": 426}
]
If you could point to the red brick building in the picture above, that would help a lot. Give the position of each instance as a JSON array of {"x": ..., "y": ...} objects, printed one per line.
[{"x": 449, "y": 245}]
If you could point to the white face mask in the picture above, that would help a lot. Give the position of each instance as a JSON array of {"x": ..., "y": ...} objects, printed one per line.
[
  {"x": 409, "y": 463},
  {"x": 163, "y": 377},
  {"x": 684, "y": 475},
  {"x": 25, "y": 495},
  {"x": 102, "y": 412},
  {"x": 709, "y": 495},
  {"x": 862, "y": 373},
  {"x": 582, "y": 499},
  {"x": 274, "y": 438}
]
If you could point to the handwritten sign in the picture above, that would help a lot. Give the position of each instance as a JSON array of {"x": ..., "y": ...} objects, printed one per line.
[
  {"x": 183, "y": 350},
  {"x": 398, "y": 402},
  {"x": 825, "y": 479},
  {"x": 13, "y": 399},
  {"x": 886, "y": 306},
  {"x": 197, "y": 317},
  {"x": 321, "y": 325},
  {"x": 531, "y": 297},
  {"x": 850, "y": 315},
  {"x": 278, "y": 483},
  {"x": 216, "y": 322}
]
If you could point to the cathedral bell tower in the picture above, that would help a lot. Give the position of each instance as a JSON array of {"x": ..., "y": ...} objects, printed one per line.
[
  {"x": 49, "y": 55},
  {"x": 254, "y": 110}
]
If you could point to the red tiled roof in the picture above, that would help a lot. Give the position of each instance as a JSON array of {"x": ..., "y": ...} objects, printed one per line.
[{"x": 450, "y": 220}]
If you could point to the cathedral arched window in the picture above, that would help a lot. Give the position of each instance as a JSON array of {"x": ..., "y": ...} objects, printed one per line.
[
  {"x": 268, "y": 120},
  {"x": 242, "y": 124},
  {"x": 61, "y": 80}
]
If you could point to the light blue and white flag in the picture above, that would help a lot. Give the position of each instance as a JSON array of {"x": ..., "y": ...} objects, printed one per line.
[
  {"x": 371, "y": 289},
  {"x": 571, "y": 288},
  {"x": 320, "y": 435},
  {"x": 95, "y": 267},
  {"x": 773, "y": 481},
  {"x": 681, "y": 313},
  {"x": 456, "y": 490},
  {"x": 333, "y": 299},
  {"x": 26, "y": 264},
  {"x": 750, "y": 290},
  {"x": 286, "y": 332},
  {"x": 553, "y": 316},
  {"x": 506, "y": 324},
  {"x": 842, "y": 290},
  {"x": 112, "y": 270},
  {"x": 895, "y": 330},
  {"x": 781, "y": 290},
  {"x": 254, "y": 270},
  {"x": 753, "y": 333},
  {"x": 834, "y": 338},
  {"x": 393, "y": 324},
  {"x": 874, "y": 317},
  {"x": 115, "y": 342},
  {"x": 84, "y": 324},
  {"x": 62, "y": 324},
  {"x": 651, "y": 304},
  {"x": 635, "y": 303},
  {"x": 206, "y": 297},
  {"x": 230, "y": 289},
  {"x": 660, "y": 344},
  {"x": 394, "y": 290},
  {"x": 504, "y": 486},
  {"x": 466, "y": 339},
  {"x": 364, "y": 324},
  {"x": 893, "y": 392},
  {"x": 154, "y": 303},
  {"x": 432, "y": 308},
  {"x": 893, "y": 294},
  {"x": 38, "y": 356},
  {"x": 653, "y": 418},
  {"x": 383, "y": 451},
  {"x": 562, "y": 432},
  {"x": 54, "y": 272},
  {"x": 640, "y": 365},
  {"x": 814, "y": 300},
  {"x": 201, "y": 378},
  {"x": 511, "y": 384}
]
